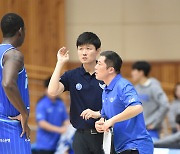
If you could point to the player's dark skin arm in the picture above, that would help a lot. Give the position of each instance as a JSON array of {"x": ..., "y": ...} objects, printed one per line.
[{"x": 13, "y": 63}]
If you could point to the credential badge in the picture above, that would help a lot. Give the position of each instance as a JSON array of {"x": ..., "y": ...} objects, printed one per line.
[{"x": 78, "y": 86}]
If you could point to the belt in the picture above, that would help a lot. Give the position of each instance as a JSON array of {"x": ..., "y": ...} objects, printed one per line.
[
  {"x": 129, "y": 151},
  {"x": 89, "y": 131}
]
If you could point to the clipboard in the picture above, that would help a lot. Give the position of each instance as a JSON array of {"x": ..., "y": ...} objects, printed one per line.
[{"x": 107, "y": 142}]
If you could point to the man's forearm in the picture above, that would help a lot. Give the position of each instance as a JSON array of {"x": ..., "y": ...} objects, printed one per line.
[
  {"x": 49, "y": 127},
  {"x": 96, "y": 115},
  {"x": 14, "y": 97},
  {"x": 54, "y": 88},
  {"x": 128, "y": 113}
]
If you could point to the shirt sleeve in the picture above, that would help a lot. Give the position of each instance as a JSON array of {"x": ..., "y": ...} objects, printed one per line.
[
  {"x": 65, "y": 81},
  {"x": 103, "y": 113},
  {"x": 129, "y": 96},
  {"x": 40, "y": 112}
]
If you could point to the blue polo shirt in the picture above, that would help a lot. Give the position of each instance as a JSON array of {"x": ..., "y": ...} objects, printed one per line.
[
  {"x": 132, "y": 133},
  {"x": 85, "y": 92},
  {"x": 54, "y": 113}
]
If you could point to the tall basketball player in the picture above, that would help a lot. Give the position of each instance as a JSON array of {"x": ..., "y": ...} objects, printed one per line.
[{"x": 14, "y": 95}]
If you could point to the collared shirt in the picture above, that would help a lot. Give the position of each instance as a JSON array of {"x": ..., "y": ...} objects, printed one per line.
[
  {"x": 128, "y": 134},
  {"x": 54, "y": 113},
  {"x": 85, "y": 92}
]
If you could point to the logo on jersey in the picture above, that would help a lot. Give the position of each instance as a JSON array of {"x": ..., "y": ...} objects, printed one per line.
[
  {"x": 78, "y": 86},
  {"x": 112, "y": 99},
  {"x": 49, "y": 110},
  {"x": 102, "y": 86},
  {"x": 5, "y": 140},
  {"x": 132, "y": 100}
]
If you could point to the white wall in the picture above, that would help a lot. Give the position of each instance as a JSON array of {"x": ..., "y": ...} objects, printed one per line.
[{"x": 136, "y": 29}]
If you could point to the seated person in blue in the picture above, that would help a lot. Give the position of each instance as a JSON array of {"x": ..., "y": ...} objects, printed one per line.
[
  {"x": 52, "y": 119},
  {"x": 121, "y": 108}
]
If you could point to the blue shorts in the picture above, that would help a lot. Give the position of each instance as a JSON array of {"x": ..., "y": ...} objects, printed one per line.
[{"x": 10, "y": 140}]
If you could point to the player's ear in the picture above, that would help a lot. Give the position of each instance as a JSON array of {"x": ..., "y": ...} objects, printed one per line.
[{"x": 20, "y": 31}]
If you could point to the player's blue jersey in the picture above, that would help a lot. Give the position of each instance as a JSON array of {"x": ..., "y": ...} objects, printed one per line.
[
  {"x": 10, "y": 130},
  {"x": 6, "y": 108}
]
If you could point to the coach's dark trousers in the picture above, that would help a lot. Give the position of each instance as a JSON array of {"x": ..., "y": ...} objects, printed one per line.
[{"x": 87, "y": 142}]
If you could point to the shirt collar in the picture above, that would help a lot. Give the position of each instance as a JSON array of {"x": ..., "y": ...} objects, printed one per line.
[
  {"x": 83, "y": 71},
  {"x": 113, "y": 82}
]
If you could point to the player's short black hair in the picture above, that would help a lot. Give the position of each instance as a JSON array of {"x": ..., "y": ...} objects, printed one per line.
[
  {"x": 175, "y": 89},
  {"x": 178, "y": 119},
  {"x": 46, "y": 82},
  {"x": 10, "y": 24},
  {"x": 88, "y": 38},
  {"x": 112, "y": 59},
  {"x": 142, "y": 66}
]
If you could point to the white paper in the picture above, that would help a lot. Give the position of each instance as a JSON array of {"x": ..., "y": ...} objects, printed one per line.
[
  {"x": 107, "y": 142},
  {"x": 161, "y": 151}
]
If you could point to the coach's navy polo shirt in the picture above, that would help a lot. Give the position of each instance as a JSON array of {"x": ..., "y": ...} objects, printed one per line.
[{"x": 85, "y": 92}]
